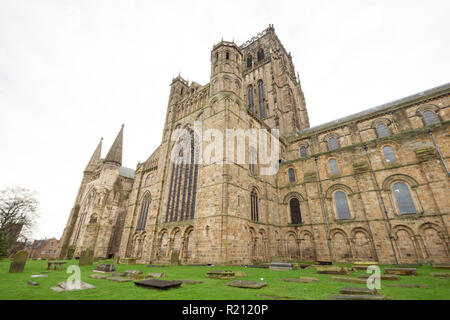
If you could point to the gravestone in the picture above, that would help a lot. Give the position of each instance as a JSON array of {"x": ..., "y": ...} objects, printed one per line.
[
  {"x": 382, "y": 277},
  {"x": 156, "y": 275},
  {"x": 300, "y": 280},
  {"x": 281, "y": 266},
  {"x": 357, "y": 297},
  {"x": 86, "y": 258},
  {"x": 401, "y": 271},
  {"x": 247, "y": 284},
  {"x": 258, "y": 266},
  {"x": 97, "y": 276},
  {"x": 324, "y": 263},
  {"x": 175, "y": 258},
  {"x": 39, "y": 276},
  {"x": 158, "y": 284},
  {"x": 353, "y": 290},
  {"x": 116, "y": 260},
  {"x": 406, "y": 285},
  {"x": 130, "y": 273},
  {"x": 440, "y": 275},
  {"x": 62, "y": 287},
  {"x": 348, "y": 279},
  {"x": 240, "y": 274},
  {"x": 18, "y": 262},
  {"x": 441, "y": 266},
  {"x": 220, "y": 274},
  {"x": 128, "y": 260},
  {"x": 332, "y": 270},
  {"x": 119, "y": 279},
  {"x": 363, "y": 265},
  {"x": 105, "y": 268}
]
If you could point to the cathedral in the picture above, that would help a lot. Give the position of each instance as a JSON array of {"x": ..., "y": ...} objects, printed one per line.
[{"x": 371, "y": 186}]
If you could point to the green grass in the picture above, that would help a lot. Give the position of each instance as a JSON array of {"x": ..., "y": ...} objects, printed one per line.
[{"x": 15, "y": 287}]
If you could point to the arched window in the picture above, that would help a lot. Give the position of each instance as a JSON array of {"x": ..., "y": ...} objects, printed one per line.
[
  {"x": 254, "y": 205},
  {"x": 252, "y": 160},
  {"x": 291, "y": 174},
  {"x": 251, "y": 105},
  {"x": 404, "y": 200},
  {"x": 261, "y": 99},
  {"x": 249, "y": 61},
  {"x": 383, "y": 130},
  {"x": 142, "y": 221},
  {"x": 389, "y": 154},
  {"x": 429, "y": 117},
  {"x": 343, "y": 210},
  {"x": 227, "y": 55},
  {"x": 303, "y": 152},
  {"x": 333, "y": 166},
  {"x": 260, "y": 54},
  {"x": 332, "y": 144},
  {"x": 294, "y": 205}
]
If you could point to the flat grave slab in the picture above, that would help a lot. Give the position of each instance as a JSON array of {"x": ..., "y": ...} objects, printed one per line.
[
  {"x": 129, "y": 273},
  {"x": 220, "y": 274},
  {"x": 258, "y": 266},
  {"x": 401, "y": 271},
  {"x": 382, "y": 277},
  {"x": 341, "y": 270},
  {"x": 324, "y": 263},
  {"x": 39, "y": 276},
  {"x": 119, "y": 279},
  {"x": 281, "y": 266},
  {"x": 300, "y": 280},
  {"x": 247, "y": 284},
  {"x": 62, "y": 287},
  {"x": 33, "y": 283},
  {"x": 357, "y": 297},
  {"x": 348, "y": 279},
  {"x": 98, "y": 276},
  {"x": 406, "y": 285},
  {"x": 357, "y": 291},
  {"x": 158, "y": 284},
  {"x": 441, "y": 266},
  {"x": 156, "y": 275},
  {"x": 440, "y": 274}
]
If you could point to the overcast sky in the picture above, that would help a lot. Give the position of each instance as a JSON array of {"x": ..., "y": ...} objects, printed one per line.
[{"x": 72, "y": 72}]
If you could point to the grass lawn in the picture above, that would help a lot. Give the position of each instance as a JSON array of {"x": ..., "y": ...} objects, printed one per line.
[{"x": 15, "y": 287}]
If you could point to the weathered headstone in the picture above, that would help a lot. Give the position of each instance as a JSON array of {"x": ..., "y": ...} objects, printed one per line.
[
  {"x": 86, "y": 258},
  {"x": 258, "y": 266},
  {"x": 401, "y": 271},
  {"x": 116, "y": 259},
  {"x": 98, "y": 276},
  {"x": 332, "y": 270},
  {"x": 62, "y": 287},
  {"x": 281, "y": 266},
  {"x": 130, "y": 273},
  {"x": 156, "y": 275},
  {"x": 220, "y": 274},
  {"x": 39, "y": 276},
  {"x": 363, "y": 265},
  {"x": 119, "y": 279},
  {"x": 158, "y": 284},
  {"x": 247, "y": 284},
  {"x": 441, "y": 266},
  {"x": 105, "y": 268},
  {"x": 18, "y": 262},
  {"x": 348, "y": 279},
  {"x": 187, "y": 281}
]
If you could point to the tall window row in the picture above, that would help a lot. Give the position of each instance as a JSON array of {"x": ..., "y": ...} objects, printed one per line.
[
  {"x": 261, "y": 99},
  {"x": 183, "y": 185}
]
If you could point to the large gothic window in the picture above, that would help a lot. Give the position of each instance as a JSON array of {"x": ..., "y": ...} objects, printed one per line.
[
  {"x": 142, "y": 221},
  {"x": 294, "y": 205},
  {"x": 429, "y": 117},
  {"x": 383, "y": 130},
  {"x": 251, "y": 104},
  {"x": 291, "y": 174},
  {"x": 261, "y": 99},
  {"x": 183, "y": 180},
  {"x": 343, "y": 210},
  {"x": 404, "y": 200},
  {"x": 254, "y": 205},
  {"x": 389, "y": 154},
  {"x": 260, "y": 54}
]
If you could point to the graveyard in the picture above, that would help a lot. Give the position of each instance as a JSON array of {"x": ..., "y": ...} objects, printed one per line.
[{"x": 38, "y": 280}]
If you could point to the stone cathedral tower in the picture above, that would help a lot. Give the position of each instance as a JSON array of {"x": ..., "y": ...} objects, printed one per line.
[{"x": 370, "y": 186}]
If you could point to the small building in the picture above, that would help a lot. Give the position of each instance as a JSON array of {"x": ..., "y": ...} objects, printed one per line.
[{"x": 44, "y": 249}]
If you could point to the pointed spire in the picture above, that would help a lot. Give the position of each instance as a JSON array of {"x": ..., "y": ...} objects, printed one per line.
[
  {"x": 115, "y": 153},
  {"x": 95, "y": 159}
]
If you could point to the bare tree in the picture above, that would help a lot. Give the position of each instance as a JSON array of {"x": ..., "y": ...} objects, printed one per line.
[{"x": 18, "y": 212}]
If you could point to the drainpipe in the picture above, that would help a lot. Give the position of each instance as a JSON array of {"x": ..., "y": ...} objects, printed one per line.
[
  {"x": 382, "y": 203},
  {"x": 439, "y": 151},
  {"x": 324, "y": 210}
]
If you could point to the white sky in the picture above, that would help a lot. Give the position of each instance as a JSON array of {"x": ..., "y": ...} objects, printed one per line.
[{"x": 74, "y": 71}]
